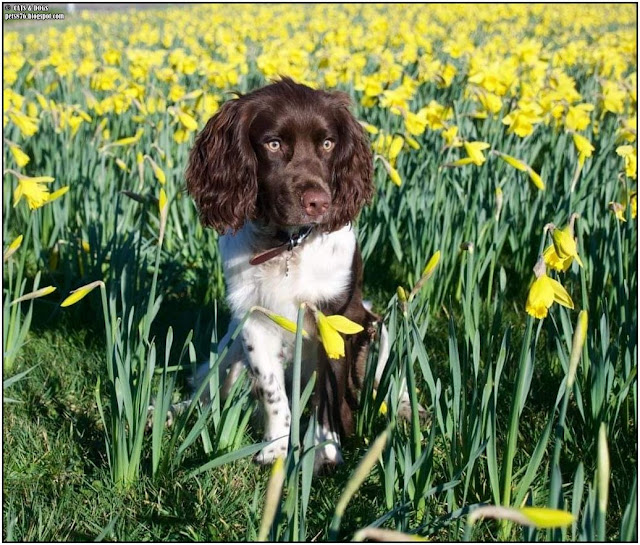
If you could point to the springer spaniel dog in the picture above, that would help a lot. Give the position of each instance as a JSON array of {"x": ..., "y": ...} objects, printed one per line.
[{"x": 281, "y": 173}]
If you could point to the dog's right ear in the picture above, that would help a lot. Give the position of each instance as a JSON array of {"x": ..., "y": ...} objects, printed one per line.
[{"x": 221, "y": 175}]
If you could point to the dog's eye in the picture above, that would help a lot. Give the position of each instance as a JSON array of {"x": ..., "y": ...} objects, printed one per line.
[
  {"x": 328, "y": 144},
  {"x": 273, "y": 145}
]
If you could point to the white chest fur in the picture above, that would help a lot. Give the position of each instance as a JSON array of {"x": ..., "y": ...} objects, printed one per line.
[{"x": 317, "y": 271}]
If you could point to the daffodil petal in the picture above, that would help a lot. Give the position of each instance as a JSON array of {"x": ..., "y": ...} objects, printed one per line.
[
  {"x": 536, "y": 179},
  {"x": 344, "y": 325},
  {"x": 552, "y": 259},
  {"x": 395, "y": 177},
  {"x": 331, "y": 340},
  {"x": 515, "y": 163},
  {"x": 162, "y": 201},
  {"x": 432, "y": 263},
  {"x": 560, "y": 295},
  {"x": 80, "y": 293},
  {"x": 543, "y": 517},
  {"x": 57, "y": 194},
  {"x": 540, "y": 297},
  {"x": 16, "y": 242},
  {"x": 283, "y": 322},
  {"x": 461, "y": 162},
  {"x": 34, "y": 294}
]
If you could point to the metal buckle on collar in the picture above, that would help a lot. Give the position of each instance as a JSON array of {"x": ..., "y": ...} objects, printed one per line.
[{"x": 298, "y": 238}]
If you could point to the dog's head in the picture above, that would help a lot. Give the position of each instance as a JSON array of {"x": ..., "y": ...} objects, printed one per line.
[{"x": 285, "y": 154}]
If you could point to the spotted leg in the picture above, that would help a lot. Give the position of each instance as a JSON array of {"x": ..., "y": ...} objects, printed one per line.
[{"x": 262, "y": 343}]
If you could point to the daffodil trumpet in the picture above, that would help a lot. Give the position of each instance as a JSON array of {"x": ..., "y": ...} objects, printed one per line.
[
  {"x": 330, "y": 329},
  {"x": 544, "y": 292},
  {"x": 561, "y": 253}
]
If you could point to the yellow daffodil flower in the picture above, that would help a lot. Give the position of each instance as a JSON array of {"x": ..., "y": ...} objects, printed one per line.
[
  {"x": 515, "y": 163},
  {"x": 13, "y": 247},
  {"x": 584, "y": 147},
  {"x": 431, "y": 264},
  {"x": 58, "y": 193},
  {"x": 450, "y": 136},
  {"x": 157, "y": 171},
  {"x": 538, "y": 517},
  {"x": 491, "y": 103},
  {"x": 565, "y": 245},
  {"x": 187, "y": 121},
  {"x": 383, "y": 406},
  {"x": 521, "y": 122},
  {"x": 474, "y": 151},
  {"x": 618, "y": 210},
  {"x": 552, "y": 260},
  {"x": 544, "y": 292},
  {"x": 628, "y": 153},
  {"x": 283, "y": 322},
  {"x": 80, "y": 293},
  {"x": 388, "y": 146},
  {"x": 162, "y": 201},
  {"x": 32, "y": 189},
  {"x": 578, "y": 117},
  {"x": 426, "y": 274},
  {"x": 20, "y": 156},
  {"x": 415, "y": 124},
  {"x": 393, "y": 173},
  {"x": 122, "y": 165},
  {"x": 395, "y": 177},
  {"x": 474, "y": 154},
  {"x": 536, "y": 179},
  {"x": 129, "y": 139},
  {"x": 519, "y": 165},
  {"x": 330, "y": 327},
  {"x": 27, "y": 125},
  {"x": 413, "y": 143},
  {"x": 35, "y": 294}
]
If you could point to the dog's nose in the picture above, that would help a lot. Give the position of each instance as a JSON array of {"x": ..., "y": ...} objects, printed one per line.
[{"x": 315, "y": 203}]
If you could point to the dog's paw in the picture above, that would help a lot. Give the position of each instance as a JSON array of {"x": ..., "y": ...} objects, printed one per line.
[
  {"x": 174, "y": 410},
  {"x": 275, "y": 449},
  {"x": 404, "y": 411},
  {"x": 327, "y": 457}
]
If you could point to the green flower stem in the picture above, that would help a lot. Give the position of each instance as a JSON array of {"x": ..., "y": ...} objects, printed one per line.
[
  {"x": 14, "y": 319},
  {"x": 416, "y": 435},
  {"x": 107, "y": 330},
  {"x": 623, "y": 289},
  {"x": 492, "y": 266},
  {"x": 294, "y": 436},
  {"x": 514, "y": 416}
]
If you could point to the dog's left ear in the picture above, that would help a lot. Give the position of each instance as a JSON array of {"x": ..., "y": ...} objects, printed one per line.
[{"x": 352, "y": 164}]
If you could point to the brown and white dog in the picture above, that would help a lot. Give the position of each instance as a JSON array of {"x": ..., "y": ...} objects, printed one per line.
[{"x": 281, "y": 173}]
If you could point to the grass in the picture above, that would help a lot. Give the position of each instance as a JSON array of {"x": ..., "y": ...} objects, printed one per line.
[
  {"x": 57, "y": 483},
  {"x": 58, "y": 488}
]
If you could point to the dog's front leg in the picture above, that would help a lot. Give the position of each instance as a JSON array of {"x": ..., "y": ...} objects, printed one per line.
[
  {"x": 263, "y": 347},
  {"x": 332, "y": 412}
]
